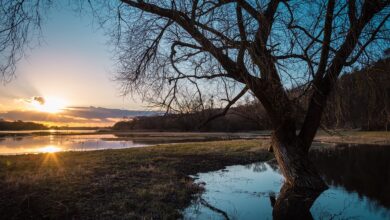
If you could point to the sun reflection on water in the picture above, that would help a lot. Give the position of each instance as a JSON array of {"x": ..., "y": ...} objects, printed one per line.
[{"x": 49, "y": 149}]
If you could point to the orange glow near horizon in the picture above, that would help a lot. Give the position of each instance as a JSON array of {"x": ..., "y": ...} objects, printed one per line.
[
  {"x": 49, "y": 105},
  {"x": 77, "y": 124}
]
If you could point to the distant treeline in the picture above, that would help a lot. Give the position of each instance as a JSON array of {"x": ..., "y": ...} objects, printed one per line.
[
  {"x": 361, "y": 100},
  {"x": 190, "y": 122},
  {"x": 20, "y": 125}
]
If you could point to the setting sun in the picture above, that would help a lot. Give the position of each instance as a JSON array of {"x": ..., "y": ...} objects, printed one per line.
[{"x": 49, "y": 104}]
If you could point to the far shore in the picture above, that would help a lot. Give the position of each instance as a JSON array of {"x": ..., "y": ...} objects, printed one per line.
[{"x": 332, "y": 136}]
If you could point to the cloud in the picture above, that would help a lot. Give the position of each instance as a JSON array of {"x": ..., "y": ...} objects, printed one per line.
[
  {"x": 28, "y": 101},
  {"x": 105, "y": 113},
  {"x": 76, "y": 116},
  {"x": 39, "y": 99}
]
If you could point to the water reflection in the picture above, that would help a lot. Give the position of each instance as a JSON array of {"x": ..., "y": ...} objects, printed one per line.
[
  {"x": 359, "y": 189},
  {"x": 32, "y": 142},
  {"x": 364, "y": 169},
  {"x": 49, "y": 149},
  {"x": 55, "y": 143},
  {"x": 293, "y": 203}
]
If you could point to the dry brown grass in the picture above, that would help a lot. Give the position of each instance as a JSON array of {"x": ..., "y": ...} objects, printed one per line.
[
  {"x": 132, "y": 183},
  {"x": 355, "y": 137}
]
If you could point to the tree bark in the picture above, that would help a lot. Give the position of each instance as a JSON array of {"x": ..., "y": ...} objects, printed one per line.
[
  {"x": 293, "y": 160},
  {"x": 303, "y": 184},
  {"x": 290, "y": 150}
]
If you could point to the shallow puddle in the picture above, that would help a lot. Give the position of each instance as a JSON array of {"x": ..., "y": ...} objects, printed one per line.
[{"x": 357, "y": 190}]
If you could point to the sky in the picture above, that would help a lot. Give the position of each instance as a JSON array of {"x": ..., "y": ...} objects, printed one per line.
[{"x": 71, "y": 70}]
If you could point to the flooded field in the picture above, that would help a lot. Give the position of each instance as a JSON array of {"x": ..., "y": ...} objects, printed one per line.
[
  {"x": 54, "y": 141},
  {"x": 358, "y": 176}
]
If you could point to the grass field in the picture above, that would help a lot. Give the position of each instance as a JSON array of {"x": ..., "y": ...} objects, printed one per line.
[
  {"x": 355, "y": 137},
  {"x": 135, "y": 183},
  {"x": 131, "y": 183}
]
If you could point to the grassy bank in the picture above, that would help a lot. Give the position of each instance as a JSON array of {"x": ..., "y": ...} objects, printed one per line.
[
  {"x": 355, "y": 137},
  {"x": 115, "y": 184}
]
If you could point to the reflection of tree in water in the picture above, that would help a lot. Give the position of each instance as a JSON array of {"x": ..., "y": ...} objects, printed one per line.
[
  {"x": 293, "y": 203},
  {"x": 274, "y": 165},
  {"x": 364, "y": 169},
  {"x": 324, "y": 214},
  {"x": 248, "y": 166},
  {"x": 262, "y": 166},
  {"x": 259, "y": 167}
]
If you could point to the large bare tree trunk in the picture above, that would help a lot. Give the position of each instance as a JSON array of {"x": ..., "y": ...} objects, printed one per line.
[
  {"x": 293, "y": 159},
  {"x": 303, "y": 184},
  {"x": 290, "y": 150},
  {"x": 295, "y": 165}
]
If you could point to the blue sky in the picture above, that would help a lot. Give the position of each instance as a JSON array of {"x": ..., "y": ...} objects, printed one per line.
[{"x": 73, "y": 63}]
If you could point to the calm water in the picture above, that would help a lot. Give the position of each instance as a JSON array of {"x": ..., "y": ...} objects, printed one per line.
[
  {"x": 22, "y": 142},
  {"x": 47, "y": 143},
  {"x": 359, "y": 180}
]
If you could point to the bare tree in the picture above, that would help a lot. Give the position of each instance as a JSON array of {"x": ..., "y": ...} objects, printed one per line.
[
  {"x": 226, "y": 47},
  {"x": 20, "y": 27},
  {"x": 267, "y": 47}
]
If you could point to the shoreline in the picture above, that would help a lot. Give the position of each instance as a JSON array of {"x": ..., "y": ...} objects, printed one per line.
[{"x": 150, "y": 182}]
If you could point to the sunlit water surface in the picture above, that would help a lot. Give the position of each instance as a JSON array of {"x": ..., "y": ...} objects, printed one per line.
[
  {"x": 54, "y": 143},
  {"x": 24, "y": 142},
  {"x": 359, "y": 179}
]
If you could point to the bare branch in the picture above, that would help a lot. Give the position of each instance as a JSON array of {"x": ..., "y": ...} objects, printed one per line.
[
  {"x": 227, "y": 107},
  {"x": 370, "y": 40}
]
